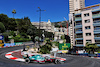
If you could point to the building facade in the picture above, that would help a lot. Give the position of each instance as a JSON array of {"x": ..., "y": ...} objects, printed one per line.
[
  {"x": 87, "y": 26},
  {"x": 76, "y": 4},
  {"x": 58, "y": 32},
  {"x": 44, "y": 25}
]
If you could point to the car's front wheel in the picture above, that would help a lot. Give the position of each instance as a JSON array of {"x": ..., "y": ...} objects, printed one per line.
[{"x": 27, "y": 60}]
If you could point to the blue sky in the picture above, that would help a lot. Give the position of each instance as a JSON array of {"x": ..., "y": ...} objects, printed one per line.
[{"x": 56, "y": 10}]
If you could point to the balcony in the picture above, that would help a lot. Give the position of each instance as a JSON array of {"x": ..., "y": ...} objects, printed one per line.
[
  {"x": 96, "y": 29},
  {"x": 79, "y": 45},
  {"x": 78, "y": 26},
  {"x": 97, "y": 38},
  {"x": 96, "y": 23},
  {"x": 77, "y": 14},
  {"x": 79, "y": 38},
  {"x": 97, "y": 42},
  {"x": 97, "y": 35},
  {"x": 78, "y": 19},
  {"x": 77, "y": 32},
  {"x": 96, "y": 32},
  {"x": 96, "y": 10},
  {"x": 95, "y": 15}
]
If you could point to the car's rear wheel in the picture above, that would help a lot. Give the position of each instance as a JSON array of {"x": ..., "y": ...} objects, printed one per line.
[
  {"x": 58, "y": 61},
  {"x": 27, "y": 60}
]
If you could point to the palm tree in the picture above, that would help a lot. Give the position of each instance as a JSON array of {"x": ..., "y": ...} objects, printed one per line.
[{"x": 14, "y": 12}]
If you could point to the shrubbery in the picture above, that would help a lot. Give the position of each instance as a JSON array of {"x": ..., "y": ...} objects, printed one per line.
[
  {"x": 47, "y": 47},
  {"x": 19, "y": 38},
  {"x": 2, "y": 27},
  {"x": 55, "y": 43}
]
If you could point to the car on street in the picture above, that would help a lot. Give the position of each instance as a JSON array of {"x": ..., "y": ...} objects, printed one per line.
[
  {"x": 41, "y": 59},
  {"x": 34, "y": 58}
]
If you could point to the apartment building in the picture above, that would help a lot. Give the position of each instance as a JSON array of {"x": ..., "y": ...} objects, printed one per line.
[
  {"x": 87, "y": 25},
  {"x": 76, "y": 4}
]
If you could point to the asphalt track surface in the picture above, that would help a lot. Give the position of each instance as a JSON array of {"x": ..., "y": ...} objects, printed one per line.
[{"x": 71, "y": 61}]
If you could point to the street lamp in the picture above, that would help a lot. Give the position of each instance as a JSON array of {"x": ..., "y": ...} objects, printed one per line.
[
  {"x": 14, "y": 12},
  {"x": 39, "y": 22}
]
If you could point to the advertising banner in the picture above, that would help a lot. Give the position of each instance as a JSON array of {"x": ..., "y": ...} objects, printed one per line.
[
  {"x": 18, "y": 43},
  {"x": 9, "y": 44},
  {"x": 1, "y": 43},
  {"x": 64, "y": 46}
]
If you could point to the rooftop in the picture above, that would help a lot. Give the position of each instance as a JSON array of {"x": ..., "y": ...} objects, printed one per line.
[{"x": 97, "y": 6}]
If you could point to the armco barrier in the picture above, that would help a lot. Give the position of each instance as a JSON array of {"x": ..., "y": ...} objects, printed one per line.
[{"x": 83, "y": 54}]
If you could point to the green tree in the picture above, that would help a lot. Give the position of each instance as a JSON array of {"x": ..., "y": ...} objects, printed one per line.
[
  {"x": 12, "y": 24},
  {"x": 2, "y": 28},
  {"x": 4, "y": 19},
  {"x": 62, "y": 37},
  {"x": 11, "y": 33},
  {"x": 47, "y": 47},
  {"x": 9, "y": 23},
  {"x": 23, "y": 24},
  {"x": 32, "y": 31},
  {"x": 90, "y": 47},
  {"x": 48, "y": 34}
]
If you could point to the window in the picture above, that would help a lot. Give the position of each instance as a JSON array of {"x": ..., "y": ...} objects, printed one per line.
[
  {"x": 87, "y": 21},
  {"x": 87, "y": 14},
  {"x": 87, "y": 27},
  {"x": 88, "y": 34},
  {"x": 89, "y": 41}
]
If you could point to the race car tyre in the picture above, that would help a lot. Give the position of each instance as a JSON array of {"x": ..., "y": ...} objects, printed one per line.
[
  {"x": 58, "y": 61},
  {"x": 27, "y": 60}
]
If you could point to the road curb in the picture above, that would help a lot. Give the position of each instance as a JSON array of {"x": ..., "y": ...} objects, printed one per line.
[{"x": 10, "y": 56}]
